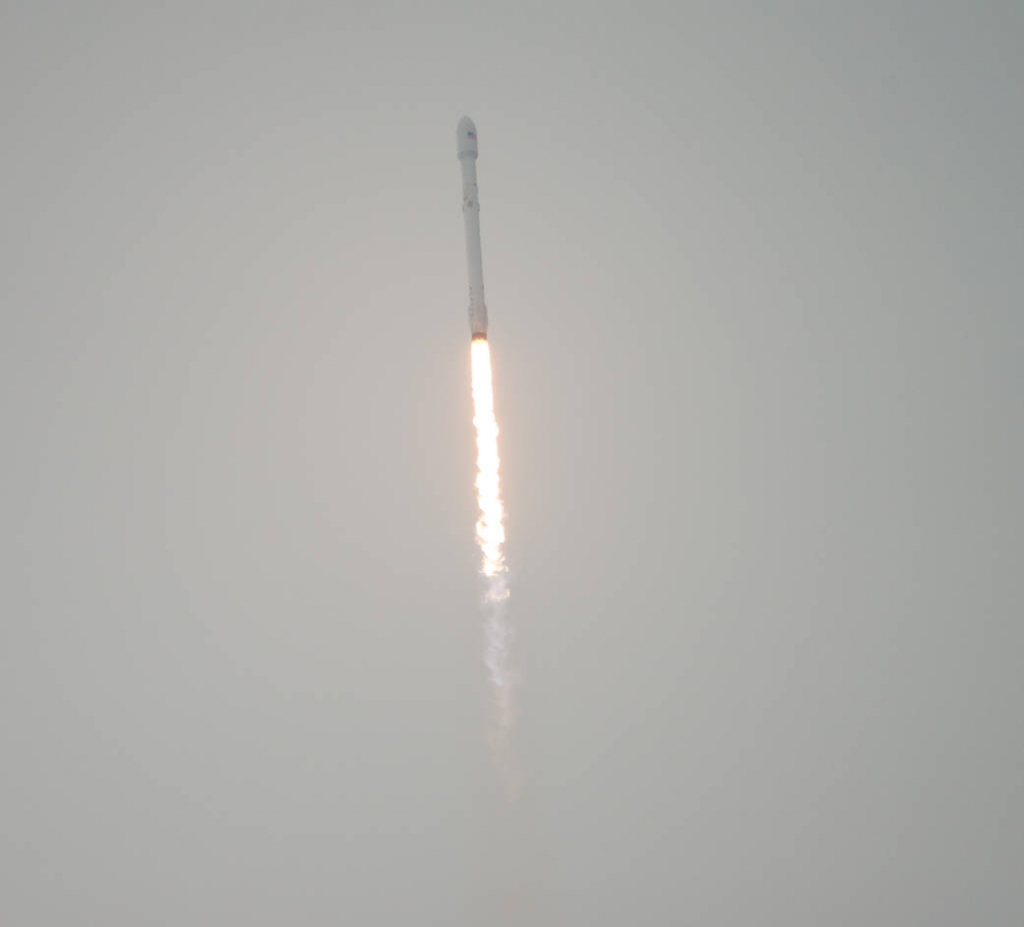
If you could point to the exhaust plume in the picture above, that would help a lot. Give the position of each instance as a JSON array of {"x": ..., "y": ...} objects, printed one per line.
[{"x": 490, "y": 534}]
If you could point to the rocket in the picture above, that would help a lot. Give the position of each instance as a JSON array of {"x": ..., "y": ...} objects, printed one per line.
[{"x": 466, "y": 137}]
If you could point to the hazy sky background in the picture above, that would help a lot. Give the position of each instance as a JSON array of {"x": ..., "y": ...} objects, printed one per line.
[{"x": 755, "y": 275}]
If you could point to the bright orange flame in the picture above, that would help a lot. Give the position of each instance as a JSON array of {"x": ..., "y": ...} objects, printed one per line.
[{"x": 490, "y": 530}]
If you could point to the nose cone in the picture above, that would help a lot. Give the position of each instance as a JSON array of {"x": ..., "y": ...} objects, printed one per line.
[{"x": 466, "y": 137}]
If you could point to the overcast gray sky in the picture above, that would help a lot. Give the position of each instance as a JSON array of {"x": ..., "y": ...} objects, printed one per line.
[{"x": 755, "y": 282}]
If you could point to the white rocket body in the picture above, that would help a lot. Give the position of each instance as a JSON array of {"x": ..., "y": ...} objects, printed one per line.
[{"x": 466, "y": 136}]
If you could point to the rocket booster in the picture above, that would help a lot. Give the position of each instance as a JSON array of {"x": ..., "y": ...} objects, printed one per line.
[{"x": 466, "y": 137}]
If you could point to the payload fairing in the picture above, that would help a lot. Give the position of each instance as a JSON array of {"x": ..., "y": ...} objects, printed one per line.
[{"x": 466, "y": 136}]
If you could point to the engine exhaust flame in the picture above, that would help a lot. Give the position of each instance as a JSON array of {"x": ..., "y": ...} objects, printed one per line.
[{"x": 490, "y": 533}]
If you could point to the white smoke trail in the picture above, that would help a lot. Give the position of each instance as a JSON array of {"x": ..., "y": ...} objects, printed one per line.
[{"x": 490, "y": 533}]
